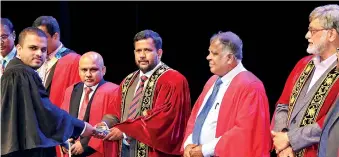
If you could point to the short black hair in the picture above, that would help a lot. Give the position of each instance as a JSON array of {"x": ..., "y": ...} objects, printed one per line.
[
  {"x": 8, "y": 23},
  {"x": 49, "y": 22},
  {"x": 30, "y": 30},
  {"x": 145, "y": 34}
]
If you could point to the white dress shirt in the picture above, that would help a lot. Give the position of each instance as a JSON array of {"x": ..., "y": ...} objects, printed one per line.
[
  {"x": 45, "y": 68},
  {"x": 82, "y": 99},
  {"x": 148, "y": 74},
  {"x": 7, "y": 58},
  {"x": 90, "y": 94},
  {"x": 208, "y": 131},
  {"x": 320, "y": 68}
]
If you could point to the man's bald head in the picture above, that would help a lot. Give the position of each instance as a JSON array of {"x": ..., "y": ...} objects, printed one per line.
[
  {"x": 91, "y": 68},
  {"x": 94, "y": 56}
]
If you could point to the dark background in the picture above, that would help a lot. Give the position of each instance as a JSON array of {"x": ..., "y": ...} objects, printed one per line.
[{"x": 273, "y": 34}]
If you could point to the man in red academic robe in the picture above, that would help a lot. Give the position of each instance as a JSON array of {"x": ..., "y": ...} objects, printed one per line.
[
  {"x": 153, "y": 105},
  {"x": 310, "y": 89},
  {"x": 231, "y": 116},
  {"x": 89, "y": 100},
  {"x": 61, "y": 68}
]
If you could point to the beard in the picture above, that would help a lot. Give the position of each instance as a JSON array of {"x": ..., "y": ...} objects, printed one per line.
[
  {"x": 318, "y": 48},
  {"x": 146, "y": 68}
]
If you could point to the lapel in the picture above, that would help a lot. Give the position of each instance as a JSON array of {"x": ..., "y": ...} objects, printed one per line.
[
  {"x": 302, "y": 98},
  {"x": 50, "y": 77},
  {"x": 88, "y": 109},
  {"x": 308, "y": 97},
  {"x": 75, "y": 99},
  {"x": 336, "y": 115},
  {"x": 62, "y": 52}
]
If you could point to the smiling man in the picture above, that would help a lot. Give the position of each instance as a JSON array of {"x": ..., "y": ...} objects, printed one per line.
[
  {"x": 310, "y": 89},
  {"x": 31, "y": 126},
  {"x": 231, "y": 116},
  {"x": 153, "y": 104}
]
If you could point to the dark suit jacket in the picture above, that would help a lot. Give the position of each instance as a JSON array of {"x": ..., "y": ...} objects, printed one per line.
[
  {"x": 74, "y": 109},
  {"x": 333, "y": 134}
]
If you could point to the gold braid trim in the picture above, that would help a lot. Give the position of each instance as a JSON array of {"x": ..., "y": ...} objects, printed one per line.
[
  {"x": 146, "y": 104},
  {"x": 127, "y": 83},
  {"x": 141, "y": 148},
  {"x": 298, "y": 86},
  {"x": 317, "y": 102}
]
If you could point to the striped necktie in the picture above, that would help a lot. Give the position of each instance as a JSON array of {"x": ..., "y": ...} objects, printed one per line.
[{"x": 135, "y": 101}]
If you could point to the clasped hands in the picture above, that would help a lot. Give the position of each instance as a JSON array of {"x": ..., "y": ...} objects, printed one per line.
[
  {"x": 281, "y": 144},
  {"x": 193, "y": 150}
]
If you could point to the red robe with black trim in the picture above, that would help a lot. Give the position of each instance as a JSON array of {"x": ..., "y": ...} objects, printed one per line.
[
  {"x": 244, "y": 120},
  {"x": 66, "y": 73},
  {"x": 164, "y": 126},
  {"x": 103, "y": 98},
  {"x": 311, "y": 151}
]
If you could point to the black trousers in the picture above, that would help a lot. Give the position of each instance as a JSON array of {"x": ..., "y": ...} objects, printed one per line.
[{"x": 35, "y": 152}]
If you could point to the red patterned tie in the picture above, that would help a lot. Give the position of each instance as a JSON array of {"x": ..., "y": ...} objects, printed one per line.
[
  {"x": 84, "y": 103},
  {"x": 135, "y": 102}
]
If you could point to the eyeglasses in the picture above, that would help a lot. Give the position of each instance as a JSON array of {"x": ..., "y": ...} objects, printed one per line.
[
  {"x": 4, "y": 37},
  {"x": 314, "y": 30}
]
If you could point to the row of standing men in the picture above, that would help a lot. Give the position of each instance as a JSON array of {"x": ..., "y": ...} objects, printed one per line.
[{"x": 149, "y": 113}]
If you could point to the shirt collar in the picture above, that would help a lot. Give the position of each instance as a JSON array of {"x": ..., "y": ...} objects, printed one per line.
[
  {"x": 149, "y": 73},
  {"x": 93, "y": 87},
  {"x": 325, "y": 63},
  {"x": 9, "y": 56},
  {"x": 234, "y": 72},
  {"x": 55, "y": 51}
]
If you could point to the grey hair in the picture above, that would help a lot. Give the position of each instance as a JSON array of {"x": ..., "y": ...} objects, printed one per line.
[
  {"x": 231, "y": 42},
  {"x": 328, "y": 16}
]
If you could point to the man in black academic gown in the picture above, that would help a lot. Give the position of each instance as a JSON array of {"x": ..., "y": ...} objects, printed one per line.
[{"x": 31, "y": 126}]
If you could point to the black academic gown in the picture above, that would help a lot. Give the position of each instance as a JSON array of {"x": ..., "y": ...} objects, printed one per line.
[{"x": 30, "y": 123}]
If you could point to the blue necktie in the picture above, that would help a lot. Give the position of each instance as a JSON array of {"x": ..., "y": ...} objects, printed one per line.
[
  {"x": 324, "y": 135},
  {"x": 199, "y": 122}
]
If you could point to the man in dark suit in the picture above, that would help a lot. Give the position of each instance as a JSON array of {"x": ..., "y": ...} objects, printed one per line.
[
  {"x": 88, "y": 100},
  {"x": 329, "y": 140}
]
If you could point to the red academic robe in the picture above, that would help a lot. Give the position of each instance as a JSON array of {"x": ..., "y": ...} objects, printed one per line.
[
  {"x": 104, "y": 96},
  {"x": 311, "y": 151},
  {"x": 66, "y": 73},
  {"x": 243, "y": 121},
  {"x": 164, "y": 126}
]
